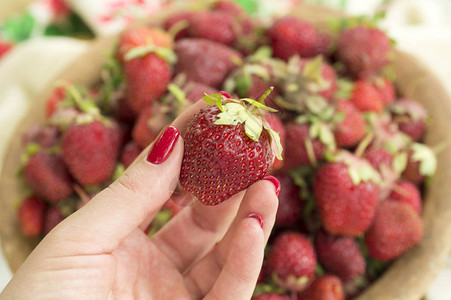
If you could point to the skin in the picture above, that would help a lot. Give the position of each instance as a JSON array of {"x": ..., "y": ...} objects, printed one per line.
[{"x": 101, "y": 251}]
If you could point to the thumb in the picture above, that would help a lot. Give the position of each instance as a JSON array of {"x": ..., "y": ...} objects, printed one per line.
[{"x": 119, "y": 209}]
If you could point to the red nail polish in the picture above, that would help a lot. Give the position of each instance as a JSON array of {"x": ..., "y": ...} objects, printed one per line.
[
  {"x": 274, "y": 181},
  {"x": 163, "y": 146},
  {"x": 225, "y": 94},
  {"x": 257, "y": 217}
]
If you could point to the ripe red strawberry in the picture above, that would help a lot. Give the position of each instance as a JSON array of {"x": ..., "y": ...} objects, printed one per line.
[
  {"x": 276, "y": 125},
  {"x": 346, "y": 195},
  {"x": 224, "y": 155},
  {"x": 140, "y": 37},
  {"x": 224, "y": 31},
  {"x": 195, "y": 91},
  {"x": 271, "y": 296},
  {"x": 90, "y": 151},
  {"x": 290, "y": 36},
  {"x": 363, "y": 50},
  {"x": 54, "y": 100},
  {"x": 150, "y": 122},
  {"x": 130, "y": 153},
  {"x": 377, "y": 157},
  {"x": 229, "y": 7},
  {"x": 124, "y": 113},
  {"x": 205, "y": 61},
  {"x": 322, "y": 45},
  {"x": 410, "y": 117},
  {"x": 31, "y": 216},
  {"x": 351, "y": 130},
  {"x": 296, "y": 151},
  {"x": 147, "y": 79},
  {"x": 386, "y": 90},
  {"x": 44, "y": 136},
  {"x": 47, "y": 175},
  {"x": 53, "y": 217},
  {"x": 180, "y": 22},
  {"x": 292, "y": 261},
  {"x": 327, "y": 287},
  {"x": 5, "y": 47},
  {"x": 407, "y": 192},
  {"x": 396, "y": 228},
  {"x": 421, "y": 162},
  {"x": 366, "y": 98},
  {"x": 339, "y": 255},
  {"x": 290, "y": 207}
]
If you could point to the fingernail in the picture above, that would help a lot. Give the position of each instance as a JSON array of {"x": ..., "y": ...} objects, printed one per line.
[
  {"x": 274, "y": 181},
  {"x": 225, "y": 94},
  {"x": 257, "y": 217},
  {"x": 163, "y": 146}
]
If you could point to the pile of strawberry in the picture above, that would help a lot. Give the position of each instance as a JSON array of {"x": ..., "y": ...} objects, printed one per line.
[{"x": 353, "y": 162}]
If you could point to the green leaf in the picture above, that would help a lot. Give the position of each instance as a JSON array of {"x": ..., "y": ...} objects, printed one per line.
[
  {"x": 243, "y": 83},
  {"x": 258, "y": 104},
  {"x": 400, "y": 162},
  {"x": 260, "y": 54},
  {"x": 165, "y": 53},
  {"x": 177, "y": 92},
  {"x": 275, "y": 136},
  {"x": 344, "y": 89},
  {"x": 212, "y": 99},
  {"x": 312, "y": 69},
  {"x": 18, "y": 28},
  {"x": 316, "y": 104},
  {"x": 426, "y": 157},
  {"x": 253, "y": 127},
  {"x": 118, "y": 171},
  {"x": 326, "y": 136}
]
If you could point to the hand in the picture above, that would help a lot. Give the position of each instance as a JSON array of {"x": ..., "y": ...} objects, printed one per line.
[{"x": 101, "y": 251}]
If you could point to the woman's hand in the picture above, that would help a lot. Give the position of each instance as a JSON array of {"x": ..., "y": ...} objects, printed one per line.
[{"x": 102, "y": 252}]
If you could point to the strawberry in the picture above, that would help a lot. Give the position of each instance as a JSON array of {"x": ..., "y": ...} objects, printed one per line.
[
  {"x": 407, "y": 192},
  {"x": 275, "y": 124},
  {"x": 421, "y": 162},
  {"x": 54, "y": 100},
  {"x": 225, "y": 154},
  {"x": 292, "y": 261},
  {"x": 224, "y": 31},
  {"x": 31, "y": 216},
  {"x": 339, "y": 255},
  {"x": 205, "y": 61},
  {"x": 271, "y": 296},
  {"x": 396, "y": 228},
  {"x": 47, "y": 175},
  {"x": 5, "y": 47},
  {"x": 377, "y": 157},
  {"x": 130, "y": 152},
  {"x": 301, "y": 150},
  {"x": 290, "y": 36},
  {"x": 195, "y": 91},
  {"x": 229, "y": 7},
  {"x": 179, "y": 22},
  {"x": 327, "y": 74},
  {"x": 150, "y": 122},
  {"x": 53, "y": 217},
  {"x": 386, "y": 90},
  {"x": 322, "y": 45},
  {"x": 327, "y": 287},
  {"x": 346, "y": 194},
  {"x": 142, "y": 37},
  {"x": 90, "y": 150},
  {"x": 351, "y": 130},
  {"x": 363, "y": 50},
  {"x": 43, "y": 136},
  {"x": 290, "y": 207},
  {"x": 366, "y": 98},
  {"x": 410, "y": 117},
  {"x": 124, "y": 113}
]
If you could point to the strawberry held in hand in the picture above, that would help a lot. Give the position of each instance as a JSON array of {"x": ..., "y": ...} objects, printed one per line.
[{"x": 227, "y": 148}]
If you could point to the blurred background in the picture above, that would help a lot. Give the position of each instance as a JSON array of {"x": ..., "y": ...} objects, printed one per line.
[{"x": 39, "y": 38}]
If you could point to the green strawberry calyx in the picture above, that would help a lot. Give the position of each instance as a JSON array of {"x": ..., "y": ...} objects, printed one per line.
[
  {"x": 164, "y": 53},
  {"x": 426, "y": 157},
  {"x": 359, "y": 170},
  {"x": 248, "y": 112}
]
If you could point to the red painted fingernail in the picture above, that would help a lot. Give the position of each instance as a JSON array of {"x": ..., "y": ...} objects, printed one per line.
[
  {"x": 274, "y": 181},
  {"x": 225, "y": 94},
  {"x": 257, "y": 217},
  {"x": 163, "y": 146}
]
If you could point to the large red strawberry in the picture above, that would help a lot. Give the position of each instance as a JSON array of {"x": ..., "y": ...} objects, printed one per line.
[
  {"x": 346, "y": 194},
  {"x": 327, "y": 287},
  {"x": 407, "y": 192},
  {"x": 292, "y": 261},
  {"x": 410, "y": 117},
  {"x": 290, "y": 207},
  {"x": 271, "y": 296},
  {"x": 205, "y": 61},
  {"x": 302, "y": 149},
  {"x": 351, "y": 129},
  {"x": 366, "y": 98},
  {"x": 90, "y": 151},
  {"x": 363, "y": 50},
  {"x": 31, "y": 216},
  {"x": 290, "y": 36},
  {"x": 396, "y": 228},
  {"x": 227, "y": 148},
  {"x": 48, "y": 176},
  {"x": 224, "y": 31},
  {"x": 339, "y": 255}
]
